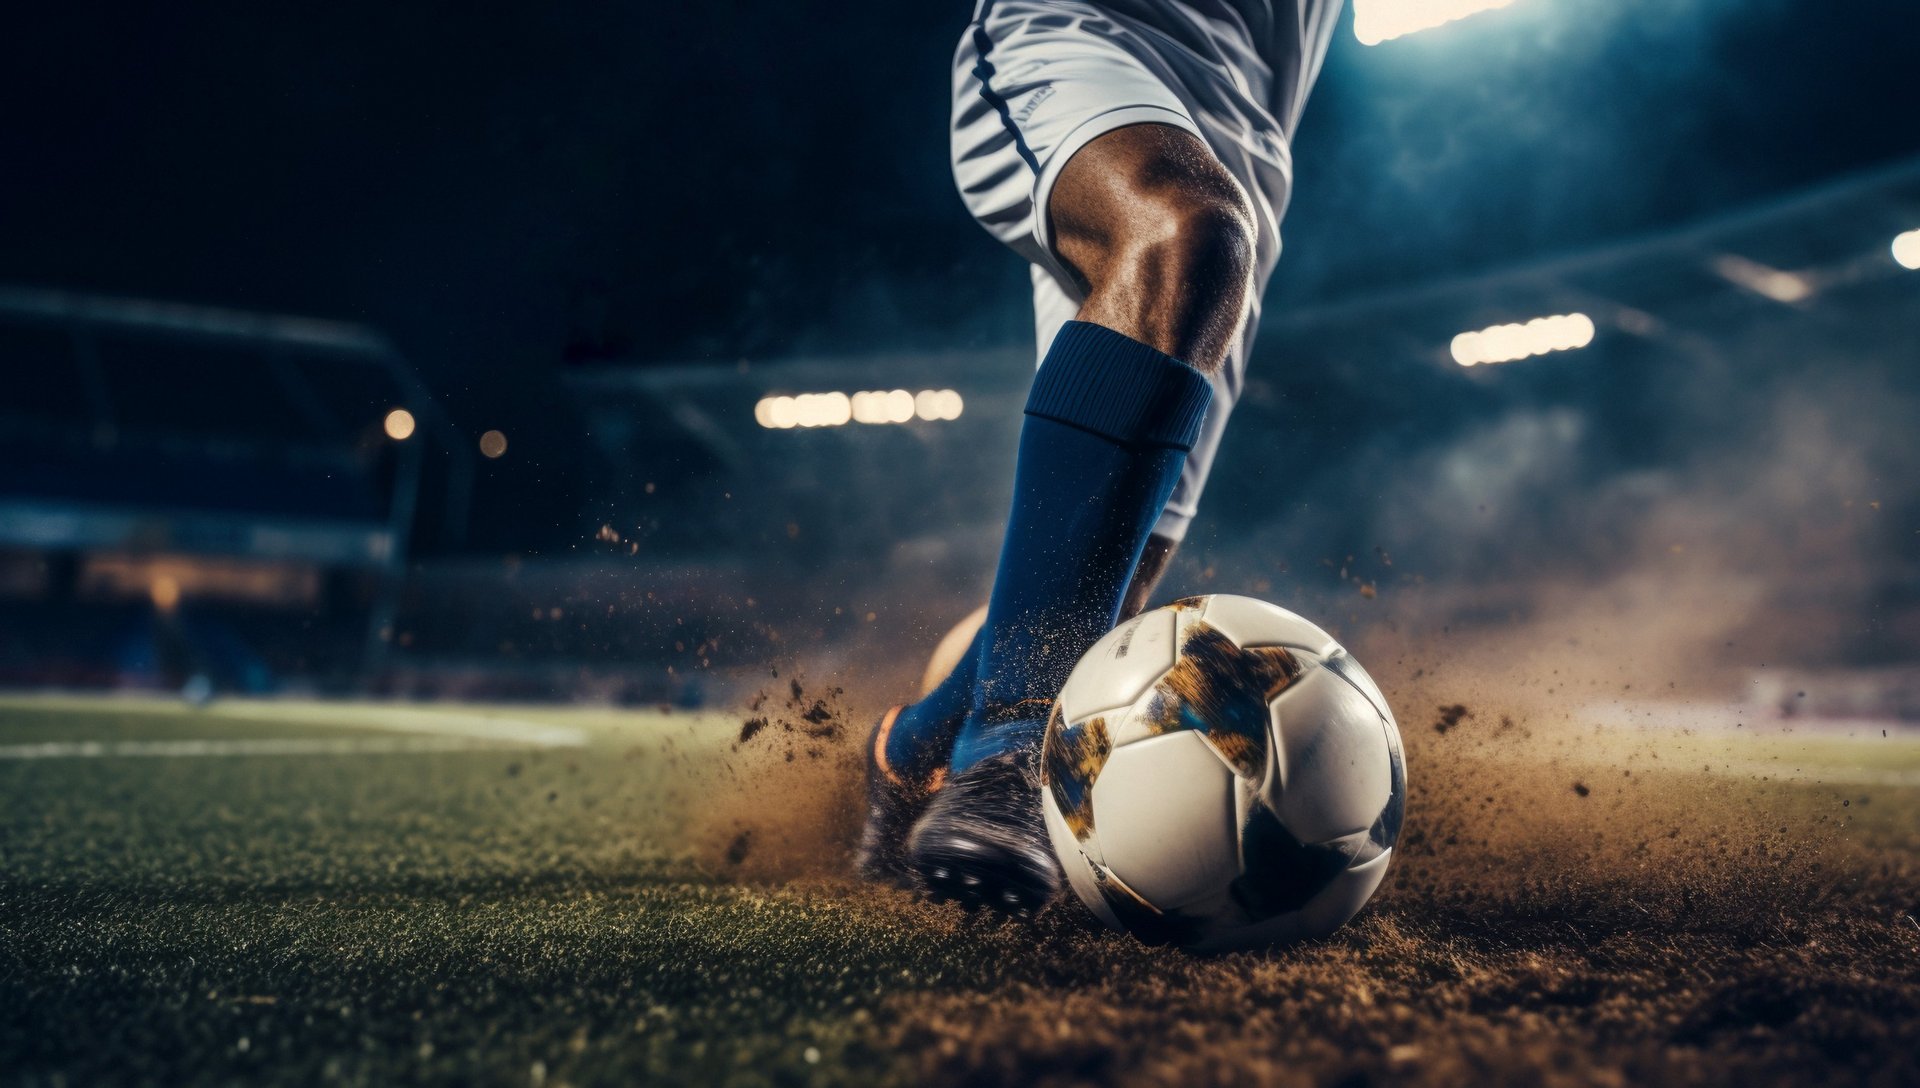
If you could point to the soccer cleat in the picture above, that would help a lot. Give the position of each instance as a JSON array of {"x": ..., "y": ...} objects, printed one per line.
[
  {"x": 893, "y": 804},
  {"x": 982, "y": 841}
]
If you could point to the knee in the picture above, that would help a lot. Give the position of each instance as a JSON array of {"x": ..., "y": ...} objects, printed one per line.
[
  {"x": 1161, "y": 237},
  {"x": 1189, "y": 238},
  {"x": 1177, "y": 238}
]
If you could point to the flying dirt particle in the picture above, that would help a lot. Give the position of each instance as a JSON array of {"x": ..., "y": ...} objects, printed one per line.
[
  {"x": 751, "y": 726},
  {"x": 759, "y": 700},
  {"x": 737, "y": 850},
  {"x": 817, "y": 713},
  {"x": 513, "y": 769},
  {"x": 552, "y": 796},
  {"x": 799, "y": 693},
  {"x": 1581, "y": 788},
  {"x": 1451, "y": 716},
  {"x": 1367, "y": 590}
]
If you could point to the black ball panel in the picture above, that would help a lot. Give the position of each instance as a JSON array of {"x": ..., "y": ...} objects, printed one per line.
[{"x": 1279, "y": 873}]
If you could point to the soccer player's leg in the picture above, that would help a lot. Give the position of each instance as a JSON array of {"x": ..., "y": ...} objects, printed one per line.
[
  {"x": 1161, "y": 238},
  {"x": 1171, "y": 529}
]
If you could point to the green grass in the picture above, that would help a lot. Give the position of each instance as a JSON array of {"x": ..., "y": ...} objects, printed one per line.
[{"x": 666, "y": 904}]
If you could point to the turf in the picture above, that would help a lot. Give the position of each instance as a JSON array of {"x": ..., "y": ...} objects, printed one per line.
[{"x": 665, "y": 905}]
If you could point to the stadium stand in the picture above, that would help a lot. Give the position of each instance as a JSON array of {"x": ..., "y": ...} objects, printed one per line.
[
  {"x": 154, "y": 530},
  {"x": 192, "y": 492}
]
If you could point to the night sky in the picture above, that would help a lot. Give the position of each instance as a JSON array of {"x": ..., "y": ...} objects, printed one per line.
[{"x": 502, "y": 189}]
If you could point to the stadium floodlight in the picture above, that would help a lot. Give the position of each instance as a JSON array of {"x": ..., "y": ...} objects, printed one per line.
[
  {"x": 824, "y": 409},
  {"x": 774, "y": 412},
  {"x": 879, "y": 406},
  {"x": 1506, "y": 343},
  {"x": 938, "y": 404},
  {"x": 1376, "y": 21},
  {"x": 399, "y": 424},
  {"x": 876, "y": 406},
  {"x": 1906, "y": 249},
  {"x": 805, "y": 410},
  {"x": 1762, "y": 280},
  {"x": 493, "y": 444}
]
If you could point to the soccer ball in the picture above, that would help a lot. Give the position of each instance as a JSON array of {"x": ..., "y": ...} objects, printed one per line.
[{"x": 1220, "y": 774}]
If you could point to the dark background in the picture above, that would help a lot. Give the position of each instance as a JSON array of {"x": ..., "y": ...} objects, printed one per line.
[{"x": 510, "y": 190}]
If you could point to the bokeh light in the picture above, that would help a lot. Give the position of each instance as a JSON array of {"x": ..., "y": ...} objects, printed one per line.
[
  {"x": 1906, "y": 249},
  {"x": 1763, "y": 280},
  {"x": 883, "y": 407},
  {"x": 493, "y": 444},
  {"x": 399, "y": 424},
  {"x": 1506, "y": 343},
  {"x": 875, "y": 406},
  {"x": 938, "y": 404},
  {"x": 164, "y": 590}
]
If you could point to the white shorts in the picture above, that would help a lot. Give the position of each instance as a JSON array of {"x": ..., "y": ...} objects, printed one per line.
[{"x": 1034, "y": 81}]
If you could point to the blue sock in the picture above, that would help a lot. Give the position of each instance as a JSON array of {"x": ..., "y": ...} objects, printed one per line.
[
  {"x": 1108, "y": 425},
  {"x": 921, "y": 739}
]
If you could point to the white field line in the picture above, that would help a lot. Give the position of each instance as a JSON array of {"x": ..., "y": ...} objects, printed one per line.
[
  {"x": 399, "y": 719},
  {"x": 285, "y": 746},
  {"x": 421, "y": 730}
]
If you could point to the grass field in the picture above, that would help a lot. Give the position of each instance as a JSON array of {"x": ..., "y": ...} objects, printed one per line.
[{"x": 363, "y": 894}]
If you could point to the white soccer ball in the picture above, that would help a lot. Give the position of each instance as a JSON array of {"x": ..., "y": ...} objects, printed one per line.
[{"x": 1220, "y": 774}]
